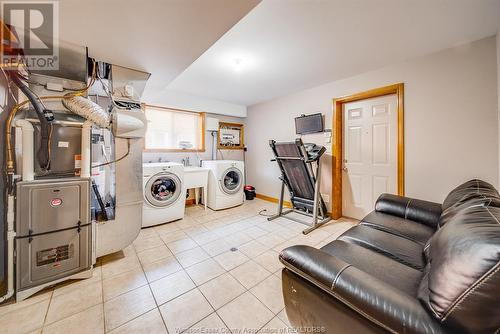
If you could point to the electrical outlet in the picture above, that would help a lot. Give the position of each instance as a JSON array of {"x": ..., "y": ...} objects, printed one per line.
[{"x": 326, "y": 198}]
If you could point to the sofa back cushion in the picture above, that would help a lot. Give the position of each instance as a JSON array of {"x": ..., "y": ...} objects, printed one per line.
[
  {"x": 461, "y": 283},
  {"x": 468, "y": 191},
  {"x": 480, "y": 200},
  {"x": 471, "y": 193}
]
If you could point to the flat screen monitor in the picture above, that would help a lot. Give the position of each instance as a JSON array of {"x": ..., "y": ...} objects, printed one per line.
[{"x": 309, "y": 124}]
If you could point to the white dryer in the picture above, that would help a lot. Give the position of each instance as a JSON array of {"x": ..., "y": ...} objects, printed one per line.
[
  {"x": 225, "y": 183},
  {"x": 164, "y": 193}
]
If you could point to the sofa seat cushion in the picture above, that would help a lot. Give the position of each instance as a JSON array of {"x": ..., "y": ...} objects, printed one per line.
[
  {"x": 400, "y": 249},
  {"x": 399, "y": 226},
  {"x": 350, "y": 299},
  {"x": 394, "y": 273}
]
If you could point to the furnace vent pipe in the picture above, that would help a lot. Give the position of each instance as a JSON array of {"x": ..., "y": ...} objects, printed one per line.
[
  {"x": 85, "y": 162},
  {"x": 27, "y": 150}
]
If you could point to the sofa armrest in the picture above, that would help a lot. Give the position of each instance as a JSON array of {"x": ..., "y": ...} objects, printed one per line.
[
  {"x": 319, "y": 266},
  {"x": 424, "y": 212},
  {"x": 373, "y": 299}
]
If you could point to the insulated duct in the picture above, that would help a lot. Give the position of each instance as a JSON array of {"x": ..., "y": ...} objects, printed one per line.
[
  {"x": 123, "y": 123},
  {"x": 89, "y": 110}
]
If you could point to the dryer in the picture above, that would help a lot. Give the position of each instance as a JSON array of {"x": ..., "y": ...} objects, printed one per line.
[
  {"x": 164, "y": 193},
  {"x": 225, "y": 183}
]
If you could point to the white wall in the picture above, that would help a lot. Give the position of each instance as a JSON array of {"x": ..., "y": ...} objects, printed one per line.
[
  {"x": 186, "y": 101},
  {"x": 195, "y": 158},
  {"x": 451, "y": 120}
]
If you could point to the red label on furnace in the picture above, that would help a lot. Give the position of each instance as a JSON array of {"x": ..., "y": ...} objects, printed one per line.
[{"x": 56, "y": 202}]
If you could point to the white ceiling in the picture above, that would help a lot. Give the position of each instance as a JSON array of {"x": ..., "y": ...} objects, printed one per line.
[
  {"x": 290, "y": 45},
  {"x": 162, "y": 37}
]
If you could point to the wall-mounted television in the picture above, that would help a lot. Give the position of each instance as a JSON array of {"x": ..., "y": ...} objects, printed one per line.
[{"x": 306, "y": 124}]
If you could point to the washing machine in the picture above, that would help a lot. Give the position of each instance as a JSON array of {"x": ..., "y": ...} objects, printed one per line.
[
  {"x": 225, "y": 183},
  {"x": 164, "y": 193}
]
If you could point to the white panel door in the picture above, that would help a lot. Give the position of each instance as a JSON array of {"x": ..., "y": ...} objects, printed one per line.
[{"x": 370, "y": 153}]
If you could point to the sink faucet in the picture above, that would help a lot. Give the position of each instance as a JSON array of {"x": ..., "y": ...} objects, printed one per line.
[
  {"x": 185, "y": 162},
  {"x": 159, "y": 159}
]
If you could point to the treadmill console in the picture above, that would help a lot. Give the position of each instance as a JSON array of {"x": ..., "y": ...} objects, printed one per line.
[{"x": 314, "y": 151}]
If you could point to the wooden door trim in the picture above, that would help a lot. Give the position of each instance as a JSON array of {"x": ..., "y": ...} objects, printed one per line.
[{"x": 337, "y": 144}]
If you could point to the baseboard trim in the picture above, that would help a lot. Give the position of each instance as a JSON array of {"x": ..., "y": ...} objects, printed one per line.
[
  {"x": 275, "y": 200},
  {"x": 272, "y": 200}
]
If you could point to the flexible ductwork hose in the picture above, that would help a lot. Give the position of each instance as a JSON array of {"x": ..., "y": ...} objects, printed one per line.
[
  {"x": 94, "y": 113},
  {"x": 88, "y": 110}
]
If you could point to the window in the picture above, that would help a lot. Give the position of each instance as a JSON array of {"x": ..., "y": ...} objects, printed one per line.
[{"x": 174, "y": 130}]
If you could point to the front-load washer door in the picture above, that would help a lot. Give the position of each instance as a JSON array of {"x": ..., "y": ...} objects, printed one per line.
[
  {"x": 231, "y": 181},
  {"x": 163, "y": 189}
]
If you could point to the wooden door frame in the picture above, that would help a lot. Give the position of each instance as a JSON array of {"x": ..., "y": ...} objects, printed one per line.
[{"x": 338, "y": 140}]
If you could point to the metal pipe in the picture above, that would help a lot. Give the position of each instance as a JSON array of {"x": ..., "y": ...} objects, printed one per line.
[
  {"x": 280, "y": 203},
  {"x": 303, "y": 213},
  {"x": 8, "y": 137},
  {"x": 27, "y": 151},
  {"x": 214, "y": 145},
  {"x": 86, "y": 145},
  {"x": 316, "y": 194},
  {"x": 290, "y": 158}
]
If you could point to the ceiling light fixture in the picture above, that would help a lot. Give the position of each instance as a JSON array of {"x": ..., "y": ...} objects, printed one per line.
[{"x": 237, "y": 64}]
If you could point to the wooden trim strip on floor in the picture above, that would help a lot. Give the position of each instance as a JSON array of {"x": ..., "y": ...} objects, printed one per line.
[{"x": 275, "y": 200}]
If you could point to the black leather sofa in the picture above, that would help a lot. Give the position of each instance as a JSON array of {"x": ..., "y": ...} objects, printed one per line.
[{"x": 410, "y": 266}]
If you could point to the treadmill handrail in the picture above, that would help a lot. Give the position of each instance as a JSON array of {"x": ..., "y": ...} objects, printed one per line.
[
  {"x": 307, "y": 161},
  {"x": 290, "y": 158}
]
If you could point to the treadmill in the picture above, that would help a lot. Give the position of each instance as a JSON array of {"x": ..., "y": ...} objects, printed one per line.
[{"x": 300, "y": 173}]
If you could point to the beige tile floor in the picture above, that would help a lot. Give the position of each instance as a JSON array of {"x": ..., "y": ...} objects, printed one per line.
[{"x": 181, "y": 276}]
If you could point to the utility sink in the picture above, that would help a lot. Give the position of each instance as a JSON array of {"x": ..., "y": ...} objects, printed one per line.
[
  {"x": 197, "y": 177},
  {"x": 192, "y": 169}
]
